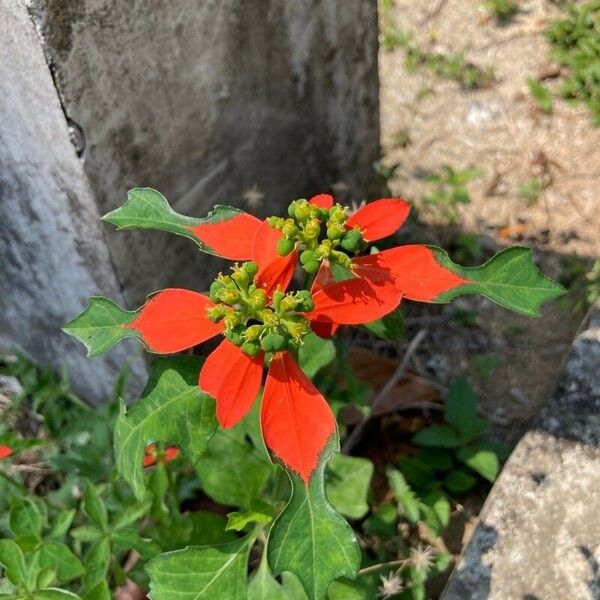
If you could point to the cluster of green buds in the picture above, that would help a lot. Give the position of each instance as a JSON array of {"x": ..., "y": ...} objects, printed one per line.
[
  {"x": 319, "y": 233},
  {"x": 253, "y": 323}
]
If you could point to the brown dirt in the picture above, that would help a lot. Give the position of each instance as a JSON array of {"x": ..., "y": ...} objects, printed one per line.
[{"x": 500, "y": 130}]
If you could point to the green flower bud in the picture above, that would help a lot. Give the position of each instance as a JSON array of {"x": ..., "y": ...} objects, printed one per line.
[
  {"x": 288, "y": 303},
  {"x": 312, "y": 229},
  {"x": 232, "y": 319},
  {"x": 302, "y": 210},
  {"x": 215, "y": 287},
  {"x": 311, "y": 266},
  {"x": 267, "y": 343},
  {"x": 292, "y": 209},
  {"x": 335, "y": 231},
  {"x": 241, "y": 277},
  {"x": 251, "y": 268},
  {"x": 253, "y": 332},
  {"x": 290, "y": 229},
  {"x": 308, "y": 256},
  {"x": 284, "y": 246},
  {"x": 337, "y": 214},
  {"x": 257, "y": 299},
  {"x": 305, "y": 302},
  {"x": 251, "y": 348},
  {"x": 341, "y": 259},
  {"x": 216, "y": 313},
  {"x": 278, "y": 342},
  {"x": 269, "y": 318},
  {"x": 352, "y": 240},
  {"x": 228, "y": 295},
  {"x": 235, "y": 335}
]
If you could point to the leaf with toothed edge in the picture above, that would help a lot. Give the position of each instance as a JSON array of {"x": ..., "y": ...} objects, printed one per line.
[
  {"x": 101, "y": 325},
  {"x": 149, "y": 209},
  {"x": 510, "y": 278},
  {"x": 171, "y": 409},
  {"x": 309, "y": 538},
  {"x": 197, "y": 572}
]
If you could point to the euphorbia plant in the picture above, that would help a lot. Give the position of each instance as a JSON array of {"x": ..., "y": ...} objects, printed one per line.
[{"x": 265, "y": 320}]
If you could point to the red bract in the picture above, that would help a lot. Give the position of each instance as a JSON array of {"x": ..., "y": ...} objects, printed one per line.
[
  {"x": 410, "y": 272},
  {"x": 231, "y": 238},
  {"x": 5, "y": 452},
  {"x": 174, "y": 319}
]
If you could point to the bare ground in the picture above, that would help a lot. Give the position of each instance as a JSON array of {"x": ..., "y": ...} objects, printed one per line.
[{"x": 500, "y": 130}]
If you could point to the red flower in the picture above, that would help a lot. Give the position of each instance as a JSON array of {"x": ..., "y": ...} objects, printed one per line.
[
  {"x": 295, "y": 418},
  {"x": 152, "y": 456},
  {"x": 5, "y": 452},
  {"x": 410, "y": 271}
]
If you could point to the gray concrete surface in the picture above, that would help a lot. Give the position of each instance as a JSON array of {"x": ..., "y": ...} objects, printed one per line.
[
  {"x": 52, "y": 248},
  {"x": 539, "y": 531},
  {"x": 204, "y": 100}
]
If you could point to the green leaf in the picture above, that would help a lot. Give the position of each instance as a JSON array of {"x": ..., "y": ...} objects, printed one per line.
[
  {"x": 459, "y": 481},
  {"x": 192, "y": 529},
  {"x": 510, "y": 279},
  {"x": 97, "y": 561},
  {"x": 57, "y": 556},
  {"x": 383, "y": 521},
  {"x": 25, "y": 517},
  {"x": 130, "y": 539},
  {"x": 131, "y": 513},
  {"x": 44, "y": 578},
  {"x": 482, "y": 460},
  {"x": 11, "y": 557},
  {"x": 264, "y": 586},
  {"x": 437, "y": 436},
  {"x": 408, "y": 503},
  {"x": 436, "y": 510},
  {"x": 435, "y": 458},
  {"x": 541, "y": 94},
  {"x": 390, "y": 327},
  {"x": 100, "y": 591},
  {"x": 148, "y": 209},
  {"x": 86, "y": 533},
  {"x": 315, "y": 353},
  {"x": 460, "y": 410},
  {"x": 347, "y": 481},
  {"x": 61, "y": 524},
  {"x": 310, "y": 539},
  {"x": 260, "y": 512},
  {"x": 231, "y": 471},
  {"x": 55, "y": 594},
  {"x": 93, "y": 506},
  {"x": 201, "y": 572},
  {"x": 360, "y": 589},
  {"x": 100, "y": 326},
  {"x": 171, "y": 409}
]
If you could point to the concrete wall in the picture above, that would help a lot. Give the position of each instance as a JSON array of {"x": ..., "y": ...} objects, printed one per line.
[
  {"x": 203, "y": 100},
  {"x": 53, "y": 253}
]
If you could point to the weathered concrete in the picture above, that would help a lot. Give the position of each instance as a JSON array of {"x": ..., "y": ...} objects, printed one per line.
[
  {"x": 539, "y": 532},
  {"x": 204, "y": 100},
  {"x": 53, "y": 252}
]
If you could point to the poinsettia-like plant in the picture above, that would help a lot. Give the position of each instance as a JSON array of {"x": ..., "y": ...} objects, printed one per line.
[{"x": 263, "y": 321}]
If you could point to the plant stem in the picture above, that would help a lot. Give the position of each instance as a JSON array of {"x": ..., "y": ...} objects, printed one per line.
[{"x": 378, "y": 567}]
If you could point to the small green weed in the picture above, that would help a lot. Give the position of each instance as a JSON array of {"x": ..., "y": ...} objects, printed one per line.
[
  {"x": 450, "y": 190},
  {"x": 576, "y": 45}
]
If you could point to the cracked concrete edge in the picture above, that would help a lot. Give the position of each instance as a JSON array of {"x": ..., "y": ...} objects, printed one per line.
[
  {"x": 538, "y": 535},
  {"x": 54, "y": 252}
]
